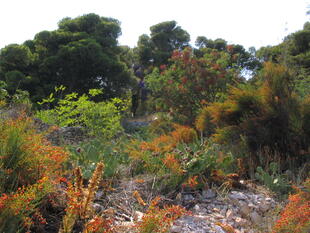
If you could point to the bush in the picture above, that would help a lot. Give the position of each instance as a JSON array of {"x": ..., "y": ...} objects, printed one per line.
[
  {"x": 265, "y": 116},
  {"x": 183, "y": 87},
  {"x": 179, "y": 156},
  {"x": 19, "y": 210},
  {"x": 25, "y": 155},
  {"x": 29, "y": 170},
  {"x": 101, "y": 119}
]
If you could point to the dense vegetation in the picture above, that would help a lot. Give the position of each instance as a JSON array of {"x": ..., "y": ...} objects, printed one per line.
[{"x": 221, "y": 112}]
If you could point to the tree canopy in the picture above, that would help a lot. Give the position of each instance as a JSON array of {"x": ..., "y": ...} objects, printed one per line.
[
  {"x": 157, "y": 48},
  {"x": 83, "y": 53}
]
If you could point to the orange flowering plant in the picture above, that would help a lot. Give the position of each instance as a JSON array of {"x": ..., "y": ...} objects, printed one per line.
[
  {"x": 295, "y": 218},
  {"x": 29, "y": 169},
  {"x": 160, "y": 220},
  {"x": 181, "y": 158},
  {"x": 156, "y": 155}
]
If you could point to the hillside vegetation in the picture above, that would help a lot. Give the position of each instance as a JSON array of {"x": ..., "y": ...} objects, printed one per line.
[{"x": 156, "y": 132}]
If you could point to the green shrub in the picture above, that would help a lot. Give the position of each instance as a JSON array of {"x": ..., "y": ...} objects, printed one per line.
[
  {"x": 273, "y": 179},
  {"x": 101, "y": 119}
]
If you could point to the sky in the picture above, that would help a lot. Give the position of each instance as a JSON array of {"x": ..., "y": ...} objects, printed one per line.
[{"x": 247, "y": 22}]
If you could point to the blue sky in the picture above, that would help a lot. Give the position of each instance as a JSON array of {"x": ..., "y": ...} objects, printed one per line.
[{"x": 247, "y": 22}]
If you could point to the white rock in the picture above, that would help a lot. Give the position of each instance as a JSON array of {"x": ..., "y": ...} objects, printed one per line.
[
  {"x": 223, "y": 211},
  {"x": 176, "y": 229},
  {"x": 138, "y": 216},
  {"x": 188, "y": 197},
  {"x": 252, "y": 206},
  {"x": 99, "y": 194},
  {"x": 196, "y": 208},
  {"x": 237, "y": 195},
  {"x": 218, "y": 229}
]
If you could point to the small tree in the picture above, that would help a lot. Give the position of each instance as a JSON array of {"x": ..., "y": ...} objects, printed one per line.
[{"x": 190, "y": 82}]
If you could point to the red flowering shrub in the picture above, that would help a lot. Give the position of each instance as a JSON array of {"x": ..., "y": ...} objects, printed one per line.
[
  {"x": 295, "y": 218},
  {"x": 182, "y": 87}
]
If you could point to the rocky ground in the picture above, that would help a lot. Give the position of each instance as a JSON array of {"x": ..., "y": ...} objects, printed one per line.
[
  {"x": 242, "y": 211},
  {"x": 213, "y": 210}
]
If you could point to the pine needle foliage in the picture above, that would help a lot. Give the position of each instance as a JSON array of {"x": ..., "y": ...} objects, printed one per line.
[{"x": 266, "y": 116}]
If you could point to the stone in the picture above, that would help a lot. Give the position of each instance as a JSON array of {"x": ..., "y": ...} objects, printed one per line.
[
  {"x": 218, "y": 229},
  {"x": 264, "y": 207},
  {"x": 208, "y": 194},
  {"x": 244, "y": 209},
  {"x": 241, "y": 222},
  {"x": 255, "y": 218},
  {"x": 237, "y": 195},
  {"x": 223, "y": 211},
  {"x": 188, "y": 197},
  {"x": 99, "y": 194},
  {"x": 138, "y": 216},
  {"x": 176, "y": 229},
  {"x": 196, "y": 208},
  {"x": 229, "y": 214}
]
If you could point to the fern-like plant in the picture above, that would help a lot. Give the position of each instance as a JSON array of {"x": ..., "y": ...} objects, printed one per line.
[{"x": 80, "y": 199}]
